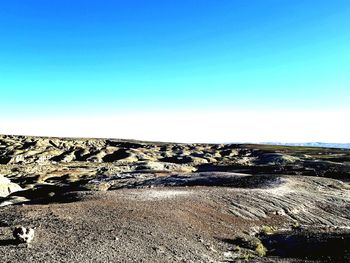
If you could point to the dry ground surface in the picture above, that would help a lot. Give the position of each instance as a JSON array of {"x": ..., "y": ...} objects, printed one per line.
[{"x": 98, "y": 200}]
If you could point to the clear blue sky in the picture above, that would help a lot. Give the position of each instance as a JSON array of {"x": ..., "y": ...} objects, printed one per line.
[{"x": 84, "y": 56}]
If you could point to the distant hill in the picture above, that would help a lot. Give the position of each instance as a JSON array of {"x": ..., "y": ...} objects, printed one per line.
[{"x": 314, "y": 144}]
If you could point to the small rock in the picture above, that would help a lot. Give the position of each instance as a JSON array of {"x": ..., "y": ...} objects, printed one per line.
[
  {"x": 159, "y": 249},
  {"x": 280, "y": 212},
  {"x": 4, "y": 223},
  {"x": 23, "y": 235},
  {"x": 211, "y": 247}
]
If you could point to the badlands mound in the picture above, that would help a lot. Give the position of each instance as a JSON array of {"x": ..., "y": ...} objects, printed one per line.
[{"x": 106, "y": 200}]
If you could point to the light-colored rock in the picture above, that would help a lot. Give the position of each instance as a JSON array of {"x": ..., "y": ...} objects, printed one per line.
[
  {"x": 13, "y": 200},
  {"x": 7, "y": 187},
  {"x": 23, "y": 235}
]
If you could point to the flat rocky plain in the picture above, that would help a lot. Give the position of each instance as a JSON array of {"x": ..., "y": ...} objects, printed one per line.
[{"x": 108, "y": 200}]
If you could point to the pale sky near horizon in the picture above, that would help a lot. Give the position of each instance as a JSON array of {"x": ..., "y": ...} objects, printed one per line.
[
  {"x": 212, "y": 127},
  {"x": 187, "y": 71}
]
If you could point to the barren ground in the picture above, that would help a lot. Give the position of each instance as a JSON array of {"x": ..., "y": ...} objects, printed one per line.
[{"x": 96, "y": 200}]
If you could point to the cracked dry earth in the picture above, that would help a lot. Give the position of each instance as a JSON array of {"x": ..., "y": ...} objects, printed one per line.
[{"x": 99, "y": 200}]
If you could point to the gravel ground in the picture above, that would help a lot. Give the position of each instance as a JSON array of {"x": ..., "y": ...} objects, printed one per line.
[{"x": 143, "y": 225}]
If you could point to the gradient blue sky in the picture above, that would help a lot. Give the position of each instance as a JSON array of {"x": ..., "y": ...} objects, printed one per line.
[{"x": 63, "y": 57}]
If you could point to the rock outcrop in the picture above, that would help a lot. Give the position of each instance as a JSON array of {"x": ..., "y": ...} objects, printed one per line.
[{"x": 7, "y": 187}]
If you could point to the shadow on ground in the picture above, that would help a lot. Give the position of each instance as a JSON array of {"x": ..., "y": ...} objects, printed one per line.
[
  {"x": 215, "y": 179},
  {"x": 305, "y": 245}
]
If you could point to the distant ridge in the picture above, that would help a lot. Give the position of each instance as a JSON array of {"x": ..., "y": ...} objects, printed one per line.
[{"x": 313, "y": 144}]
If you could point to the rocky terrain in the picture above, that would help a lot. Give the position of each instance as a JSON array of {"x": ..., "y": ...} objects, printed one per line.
[{"x": 107, "y": 200}]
